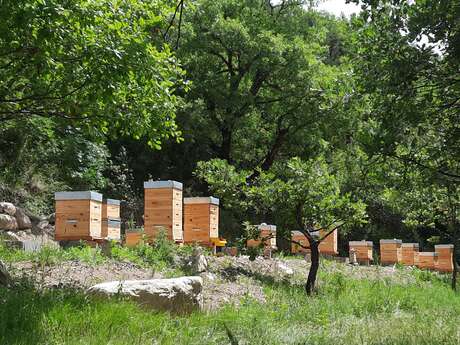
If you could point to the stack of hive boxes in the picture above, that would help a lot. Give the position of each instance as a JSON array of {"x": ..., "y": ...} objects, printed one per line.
[
  {"x": 390, "y": 251},
  {"x": 78, "y": 216},
  {"x": 163, "y": 209},
  {"x": 201, "y": 221},
  {"x": 362, "y": 251},
  {"x": 267, "y": 236},
  {"x": 297, "y": 236},
  {"x": 444, "y": 261},
  {"x": 427, "y": 260},
  {"x": 111, "y": 221},
  {"x": 329, "y": 245},
  {"x": 410, "y": 254}
]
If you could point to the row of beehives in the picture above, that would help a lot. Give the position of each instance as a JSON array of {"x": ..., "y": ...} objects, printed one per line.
[
  {"x": 84, "y": 215},
  {"x": 394, "y": 251}
]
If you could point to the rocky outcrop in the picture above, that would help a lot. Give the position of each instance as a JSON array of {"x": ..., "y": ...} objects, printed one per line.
[
  {"x": 7, "y": 208},
  {"x": 8, "y": 222},
  {"x": 176, "y": 295},
  {"x": 22, "y": 219}
]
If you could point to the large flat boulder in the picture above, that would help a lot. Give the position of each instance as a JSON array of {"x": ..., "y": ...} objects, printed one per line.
[
  {"x": 177, "y": 295},
  {"x": 8, "y": 222}
]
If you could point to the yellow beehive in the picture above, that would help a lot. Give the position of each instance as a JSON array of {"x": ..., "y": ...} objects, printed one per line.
[
  {"x": 111, "y": 222},
  {"x": 362, "y": 250},
  {"x": 390, "y": 252},
  {"x": 267, "y": 236},
  {"x": 163, "y": 209},
  {"x": 409, "y": 254},
  {"x": 298, "y": 237},
  {"x": 329, "y": 244},
  {"x": 444, "y": 261},
  {"x": 427, "y": 260},
  {"x": 201, "y": 220},
  {"x": 78, "y": 216}
]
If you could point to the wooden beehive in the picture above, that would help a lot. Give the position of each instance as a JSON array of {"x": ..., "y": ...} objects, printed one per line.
[
  {"x": 362, "y": 250},
  {"x": 427, "y": 260},
  {"x": 390, "y": 252},
  {"x": 267, "y": 237},
  {"x": 329, "y": 245},
  {"x": 201, "y": 220},
  {"x": 409, "y": 254},
  {"x": 444, "y": 261},
  {"x": 299, "y": 237},
  {"x": 133, "y": 238},
  {"x": 163, "y": 209},
  {"x": 111, "y": 222},
  {"x": 78, "y": 216}
]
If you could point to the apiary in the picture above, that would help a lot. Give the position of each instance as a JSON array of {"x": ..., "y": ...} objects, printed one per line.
[
  {"x": 390, "y": 252},
  {"x": 201, "y": 220},
  {"x": 267, "y": 237},
  {"x": 427, "y": 260},
  {"x": 300, "y": 238},
  {"x": 163, "y": 209},
  {"x": 362, "y": 251},
  {"x": 111, "y": 222},
  {"x": 78, "y": 215},
  {"x": 409, "y": 254},
  {"x": 444, "y": 261}
]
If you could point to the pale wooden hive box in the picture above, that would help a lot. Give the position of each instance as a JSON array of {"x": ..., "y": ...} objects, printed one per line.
[
  {"x": 390, "y": 252},
  {"x": 267, "y": 237},
  {"x": 444, "y": 261},
  {"x": 427, "y": 260},
  {"x": 300, "y": 238},
  {"x": 201, "y": 220},
  {"x": 111, "y": 222},
  {"x": 163, "y": 209},
  {"x": 78, "y": 216},
  {"x": 363, "y": 250},
  {"x": 409, "y": 256}
]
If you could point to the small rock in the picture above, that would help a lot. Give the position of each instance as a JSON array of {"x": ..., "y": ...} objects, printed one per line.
[
  {"x": 8, "y": 222},
  {"x": 285, "y": 270},
  {"x": 7, "y": 208},
  {"x": 177, "y": 295},
  {"x": 52, "y": 218},
  {"x": 22, "y": 219},
  {"x": 199, "y": 262},
  {"x": 5, "y": 278}
]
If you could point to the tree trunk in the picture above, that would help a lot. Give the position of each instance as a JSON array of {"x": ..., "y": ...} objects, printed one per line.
[
  {"x": 454, "y": 272},
  {"x": 311, "y": 281}
]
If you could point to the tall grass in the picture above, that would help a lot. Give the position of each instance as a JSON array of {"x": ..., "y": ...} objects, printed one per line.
[{"x": 346, "y": 311}]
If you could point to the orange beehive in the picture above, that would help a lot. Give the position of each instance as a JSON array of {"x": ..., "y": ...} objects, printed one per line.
[
  {"x": 163, "y": 209},
  {"x": 362, "y": 250},
  {"x": 78, "y": 215},
  {"x": 201, "y": 220},
  {"x": 409, "y": 254},
  {"x": 267, "y": 236},
  {"x": 329, "y": 244},
  {"x": 111, "y": 222},
  {"x": 444, "y": 261},
  {"x": 390, "y": 252},
  {"x": 133, "y": 238},
  {"x": 298, "y": 237},
  {"x": 427, "y": 260}
]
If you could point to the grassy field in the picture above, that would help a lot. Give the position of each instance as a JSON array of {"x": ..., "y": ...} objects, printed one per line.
[{"x": 345, "y": 311}]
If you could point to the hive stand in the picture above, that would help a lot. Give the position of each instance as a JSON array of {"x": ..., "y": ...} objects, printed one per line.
[
  {"x": 409, "y": 254},
  {"x": 111, "y": 222},
  {"x": 445, "y": 262},
  {"x": 362, "y": 250},
  {"x": 390, "y": 252},
  {"x": 427, "y": 260},
  {"x": 78, "y": 216},
  {"x": 201, "y": 221},
  {"x": 163, "y": 209}
]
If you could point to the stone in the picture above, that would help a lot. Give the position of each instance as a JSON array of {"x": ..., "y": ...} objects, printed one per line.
[
  {"x": 7, "y": 208},
  {"x": 22, "y": 219},
  {"x": 176, "y": 295},
  {"x": 8, "y": 222},
  {"x": 199, "y": 262},
  {"x": 284, "y": 269},
  {"x": 5, "y": 278}
]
